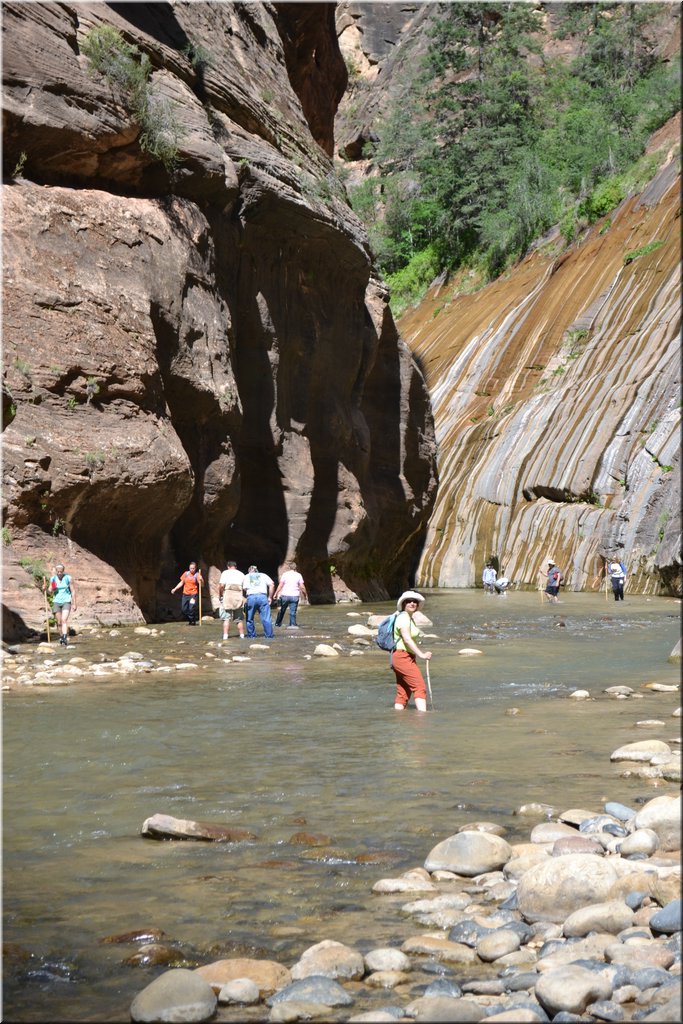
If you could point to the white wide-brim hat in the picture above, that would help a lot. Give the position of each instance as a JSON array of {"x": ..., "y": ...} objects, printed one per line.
[{"x": 408, "y": 595}]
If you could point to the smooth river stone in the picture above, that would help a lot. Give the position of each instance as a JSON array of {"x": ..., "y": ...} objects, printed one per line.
[
  {"x": 329, "y": 959},
  {"x": 612, "y": 916},
  {"x": 178, "y": 995},
  {"x": 570, "y": 989},
  {"x": 663, "y": 815},
  {"x": 469, "y": 854},
  {"x": 555, "y": 888}
]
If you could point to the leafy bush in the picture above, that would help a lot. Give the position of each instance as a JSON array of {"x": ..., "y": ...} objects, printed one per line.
[
  {"x": 129, "y": 70},
  {"x": 36, "y": 569},
  {"x": 409, "y": 284},
  {"x": 605, "y": 197}
]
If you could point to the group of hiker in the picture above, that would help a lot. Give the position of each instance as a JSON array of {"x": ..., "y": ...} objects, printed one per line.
[
  {"x": 241, "y": 596},
  {"x": 553, "y": 577}
]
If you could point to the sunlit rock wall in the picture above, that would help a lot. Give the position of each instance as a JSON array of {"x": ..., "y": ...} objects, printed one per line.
[
  {"x": 197, "y": 363},
  {"x": 557, "y": 402}
]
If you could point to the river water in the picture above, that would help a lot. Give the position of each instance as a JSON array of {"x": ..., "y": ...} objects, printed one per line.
[{"x": 281, "y": 745}]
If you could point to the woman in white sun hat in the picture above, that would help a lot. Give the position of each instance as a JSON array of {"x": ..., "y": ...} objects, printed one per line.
[{"x": 403, "y": 659}]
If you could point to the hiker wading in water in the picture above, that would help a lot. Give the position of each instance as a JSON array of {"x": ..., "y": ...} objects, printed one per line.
[
  {"x": 403, "y": 659},
  {"x": 63, "y": 601}
]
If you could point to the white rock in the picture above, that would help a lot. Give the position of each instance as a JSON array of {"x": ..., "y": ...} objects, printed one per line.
[
  {"x": 386, "y": 958},
  {"x": 470, "y": 650},
  {"x": 240, "y": 990},
  {"x": 643, "y": 840},
  {"x": 325, "y": 651},
  {"x": 579, "y": 695},
  {"x": 640, "y": 751},
  {"x": 358, "y": 629}
]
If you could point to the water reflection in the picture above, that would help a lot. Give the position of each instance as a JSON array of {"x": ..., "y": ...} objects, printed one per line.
[{"x": 281, "y": 745}]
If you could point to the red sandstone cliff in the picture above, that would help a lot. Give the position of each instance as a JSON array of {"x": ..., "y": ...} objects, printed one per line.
[{"x": 198, "y": 363}]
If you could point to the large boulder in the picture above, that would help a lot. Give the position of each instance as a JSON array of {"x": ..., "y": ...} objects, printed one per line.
[{"x": 554, "y": 889}]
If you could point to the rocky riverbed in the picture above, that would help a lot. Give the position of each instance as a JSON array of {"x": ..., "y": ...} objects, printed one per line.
[{"x": 581, "y": 923}]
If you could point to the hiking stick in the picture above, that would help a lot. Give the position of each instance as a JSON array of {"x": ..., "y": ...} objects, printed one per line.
[
  {"x": 429, "y": 689},
  {"x": 200, "y": 594},
  {"x": 47, "y": 610}
]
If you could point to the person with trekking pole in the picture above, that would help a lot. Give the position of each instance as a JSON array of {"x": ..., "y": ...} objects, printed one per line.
[{"x": 409, "y": 679}]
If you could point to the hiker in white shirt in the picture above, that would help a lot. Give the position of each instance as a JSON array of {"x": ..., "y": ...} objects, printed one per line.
[
  {"x": 232, "y": 599},
  {"x": 290, "y": 590},
  {"x": 258, "y": 588}
]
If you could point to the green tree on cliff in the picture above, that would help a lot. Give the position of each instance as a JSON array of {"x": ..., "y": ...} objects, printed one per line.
[{"x": 512, "y": 141}]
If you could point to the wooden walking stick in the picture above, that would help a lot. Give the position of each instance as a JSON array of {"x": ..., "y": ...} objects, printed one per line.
[
  {"x": 200, "y": 594},
  {"x": 429, "y": 687},
  {"x": 47, "y": 609}
]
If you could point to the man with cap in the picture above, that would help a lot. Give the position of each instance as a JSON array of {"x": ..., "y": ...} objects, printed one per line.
[
  {"x": 258, "y": 588},
  {"x": 617, "y": 575},
  {"x": 403, "y": 659},
  {"x": 555, "y": 577}
]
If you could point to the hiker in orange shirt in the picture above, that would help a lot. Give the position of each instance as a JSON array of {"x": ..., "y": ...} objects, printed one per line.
[{"x": 190, "y": 581}]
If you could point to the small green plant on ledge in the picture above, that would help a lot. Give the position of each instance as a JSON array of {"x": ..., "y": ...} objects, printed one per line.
[
  {"x": 6, "y": 537},
  {"x": 635, "y": 254},
  {"x": 20, "y": 164},
  {"x": 94, "y": 460},
  {"x": 23, "y": 367},
  {"x": 129, "y": 70},
  {"x": 36, "y": 569},
  {"x": 198, "y": 56},
  {"x": 661, "y": 523}
]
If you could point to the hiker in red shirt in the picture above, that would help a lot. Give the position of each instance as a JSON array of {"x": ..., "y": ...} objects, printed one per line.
[{"x": 190, "y": 581}]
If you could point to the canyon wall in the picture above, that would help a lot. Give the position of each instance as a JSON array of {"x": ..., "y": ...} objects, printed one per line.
[
  {"x": 199, "y": 360},
  {"x": 557, "y": 399},
  {"x": 555, "y": 389}
]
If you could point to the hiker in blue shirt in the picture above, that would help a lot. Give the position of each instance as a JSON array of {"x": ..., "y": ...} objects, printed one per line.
[{"x": 63, "y": 601}]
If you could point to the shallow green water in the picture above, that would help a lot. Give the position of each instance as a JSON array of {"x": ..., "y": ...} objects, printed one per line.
[{"x": 279, "y": 745}]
